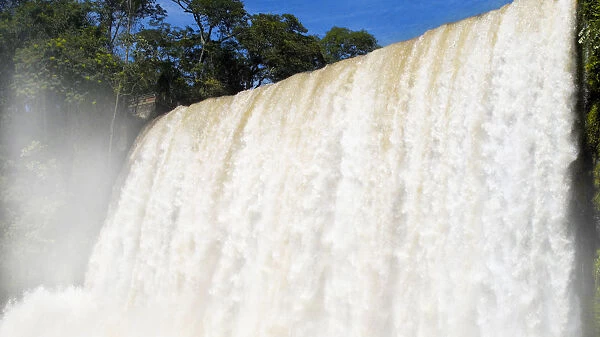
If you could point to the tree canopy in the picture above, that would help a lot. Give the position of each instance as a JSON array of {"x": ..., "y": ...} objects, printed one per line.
[
  {"x": 277, "y": 47},
  {"x": 342, "y": 43}
]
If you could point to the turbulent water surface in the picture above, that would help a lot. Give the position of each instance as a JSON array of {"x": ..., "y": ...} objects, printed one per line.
[{"x": 420, "y": 191}]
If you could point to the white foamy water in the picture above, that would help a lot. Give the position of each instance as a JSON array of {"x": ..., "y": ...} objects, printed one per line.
[{"x": 420, "y": 191}]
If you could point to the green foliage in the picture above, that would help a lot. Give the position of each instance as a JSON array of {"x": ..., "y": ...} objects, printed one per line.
[
  {"x": 157, "y": 67},
  {"x": 342, "y": 43},
  {"x": 117, "y": 18},
  {"x": 218, "y": 17},
  {"x": 592, "y": 126},
  {"x": 278, "y": 47},
  {"x": 73, "y": 66},
  {"x": 589, "y": 39}
]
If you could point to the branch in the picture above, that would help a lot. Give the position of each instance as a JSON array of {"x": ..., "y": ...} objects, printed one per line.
[
  {"x": 227, "y": 37},
  {"x": 185, "y": 8},
  {"x": 117, "y": 28}
]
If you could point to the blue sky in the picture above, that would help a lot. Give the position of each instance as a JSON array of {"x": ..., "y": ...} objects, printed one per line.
[{"x": 389, "y": 20}]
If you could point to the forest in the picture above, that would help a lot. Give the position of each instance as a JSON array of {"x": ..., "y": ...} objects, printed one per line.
[{"x": 80, "y": 79}]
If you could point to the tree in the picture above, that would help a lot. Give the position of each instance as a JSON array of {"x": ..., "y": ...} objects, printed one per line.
[
  {"x": 343, "y": 43},
  {"x": 277, "y": 47},
  {"x": 216, "y": 20},
  {"x": 158, "y": 57},
  {"x": 27, "y": 23},
  {"x": 117, "y": 18}
]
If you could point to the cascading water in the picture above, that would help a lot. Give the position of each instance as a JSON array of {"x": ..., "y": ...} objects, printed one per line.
[{"x": 421, "y": 190}]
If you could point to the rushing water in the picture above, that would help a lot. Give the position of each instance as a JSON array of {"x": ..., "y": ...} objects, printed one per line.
[{"x": 420, "y": 191}]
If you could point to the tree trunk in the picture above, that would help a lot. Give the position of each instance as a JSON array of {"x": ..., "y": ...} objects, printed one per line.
[{"x": 112, "y": 127}]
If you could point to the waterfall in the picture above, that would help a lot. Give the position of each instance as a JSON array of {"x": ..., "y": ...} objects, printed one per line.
[{"x": 419, "y": 191}]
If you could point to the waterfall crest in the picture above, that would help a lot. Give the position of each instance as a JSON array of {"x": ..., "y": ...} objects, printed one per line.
[{"x": 419, "y": 191}]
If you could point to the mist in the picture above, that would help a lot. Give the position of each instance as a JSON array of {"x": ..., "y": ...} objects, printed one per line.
[{"x": 56, "y": 180}]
